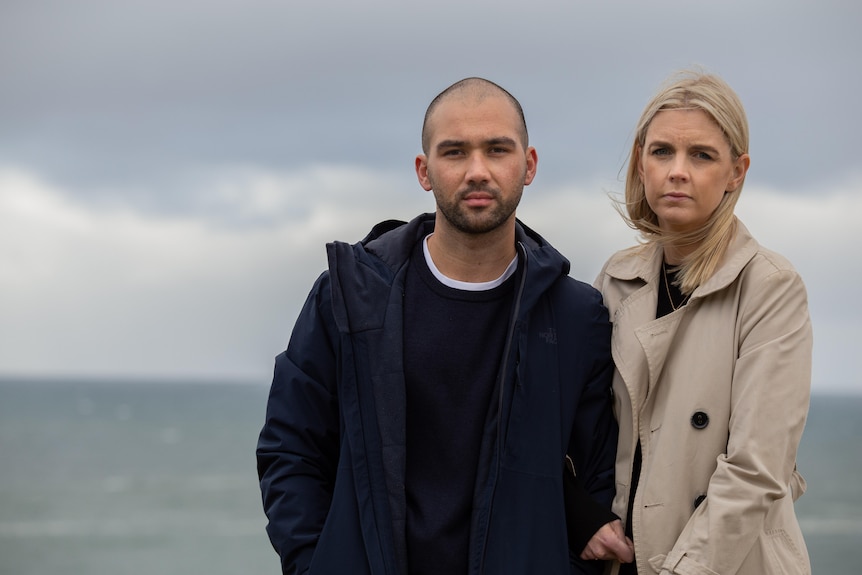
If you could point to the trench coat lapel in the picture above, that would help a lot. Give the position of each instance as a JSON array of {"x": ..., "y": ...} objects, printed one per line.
[
  {"x": 656, "y": 338},
  {"x": 640, "y": 341}
]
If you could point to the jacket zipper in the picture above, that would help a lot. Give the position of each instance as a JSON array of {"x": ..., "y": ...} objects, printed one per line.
[{"x": 500, "y": 400}]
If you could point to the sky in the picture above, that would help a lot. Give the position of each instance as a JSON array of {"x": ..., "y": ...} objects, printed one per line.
[{"x": 171, "y": 170}]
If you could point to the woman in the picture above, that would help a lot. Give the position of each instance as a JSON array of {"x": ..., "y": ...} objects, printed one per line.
[{"x": 712, "y": 343}]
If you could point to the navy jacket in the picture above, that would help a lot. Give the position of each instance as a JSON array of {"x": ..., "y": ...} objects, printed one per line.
[{"x": 331, "y": 455}]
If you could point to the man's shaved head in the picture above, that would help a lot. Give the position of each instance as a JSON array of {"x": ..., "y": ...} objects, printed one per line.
[{"x": 475, "y": 89}]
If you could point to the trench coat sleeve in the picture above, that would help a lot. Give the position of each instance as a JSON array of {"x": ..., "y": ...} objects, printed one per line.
[
  {"x": 769, "y": 404},
  {"x": 297, "y": 450}
]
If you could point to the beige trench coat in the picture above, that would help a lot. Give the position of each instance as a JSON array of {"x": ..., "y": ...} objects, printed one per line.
[{"x": 717, "y": 392}]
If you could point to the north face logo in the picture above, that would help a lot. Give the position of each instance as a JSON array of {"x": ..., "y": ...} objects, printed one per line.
[{"x": 549, "y": 336}]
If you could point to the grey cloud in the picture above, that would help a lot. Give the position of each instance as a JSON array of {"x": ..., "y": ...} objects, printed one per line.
[
  {"x": 103, "y": 95},
  {"x": 169, "y": 110}
]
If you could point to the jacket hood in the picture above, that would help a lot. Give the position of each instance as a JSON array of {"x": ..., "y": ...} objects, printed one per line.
[
  {"x": 392, "y": 241},
  {"x": 374, "y": 262}
]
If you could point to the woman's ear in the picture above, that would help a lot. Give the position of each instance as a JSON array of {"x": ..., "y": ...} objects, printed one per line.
[
  {"x": 740, "y": 168},
  {"x": 638, "y": 161}
]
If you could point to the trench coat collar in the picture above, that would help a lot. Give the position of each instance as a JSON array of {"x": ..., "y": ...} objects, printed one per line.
[
  {"x": 654, "y": 336},
  {"x": 643, "y": 262}
]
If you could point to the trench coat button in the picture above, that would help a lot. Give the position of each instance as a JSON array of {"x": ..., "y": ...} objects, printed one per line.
[
  {"x": 698, "y": 500},
  {"x": 699, "y": 420}
]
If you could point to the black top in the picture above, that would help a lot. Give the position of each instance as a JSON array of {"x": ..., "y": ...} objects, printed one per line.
[
  {"x": 453, "y": 342},
  {"x": 670, "y": 298}
]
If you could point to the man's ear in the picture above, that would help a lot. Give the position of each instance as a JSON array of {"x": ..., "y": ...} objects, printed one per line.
[
  {"x": 422, "y": 172},
  {"x": 532, "y": 164}
]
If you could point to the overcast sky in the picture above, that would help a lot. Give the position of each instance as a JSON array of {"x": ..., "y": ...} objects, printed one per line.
[{"x": 170, "y": 171}]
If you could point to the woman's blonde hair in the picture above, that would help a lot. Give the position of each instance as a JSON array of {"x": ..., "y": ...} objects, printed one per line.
[{"x": 690, "y": 90}]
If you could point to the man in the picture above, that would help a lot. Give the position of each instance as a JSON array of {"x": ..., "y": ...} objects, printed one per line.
[{"x": 437, "y": 377}]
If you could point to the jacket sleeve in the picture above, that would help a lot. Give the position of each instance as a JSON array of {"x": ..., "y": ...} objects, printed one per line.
[
  {"x": 592, "y": 446},
  {"x": 584, "y": 515},
  {"x": 297, "y": 450},
  {"x": 769, "y": 403}
]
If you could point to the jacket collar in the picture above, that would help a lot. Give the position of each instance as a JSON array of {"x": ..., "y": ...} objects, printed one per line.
[{"x": 392, "y": 242}]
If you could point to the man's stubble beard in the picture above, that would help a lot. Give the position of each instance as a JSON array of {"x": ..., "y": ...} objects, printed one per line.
[{"x": 477, "y": 221}]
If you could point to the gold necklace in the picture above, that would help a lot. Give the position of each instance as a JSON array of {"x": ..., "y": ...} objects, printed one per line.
[{"x": 667, "y": 289}]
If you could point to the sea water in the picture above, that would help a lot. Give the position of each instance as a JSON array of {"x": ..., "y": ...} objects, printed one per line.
[{"x": 142, "y": 478}]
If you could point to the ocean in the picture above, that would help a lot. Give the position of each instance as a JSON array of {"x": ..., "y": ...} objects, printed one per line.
[{"x": 142, "y": 478}]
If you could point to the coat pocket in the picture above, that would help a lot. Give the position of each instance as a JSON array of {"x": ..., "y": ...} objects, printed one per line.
[
  {"x": 781, "y": 555},
  {"x": 656, "y": 562},
  {"x": 679, "y": 563}
]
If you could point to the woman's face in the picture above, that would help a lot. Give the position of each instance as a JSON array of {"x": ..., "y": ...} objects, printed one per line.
[{"x": 687, "y": 166}]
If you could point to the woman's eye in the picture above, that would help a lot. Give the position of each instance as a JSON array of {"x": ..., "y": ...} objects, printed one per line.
[
  {"x": 702, "y": 156},
  {"x": 660, "y": 152}
]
